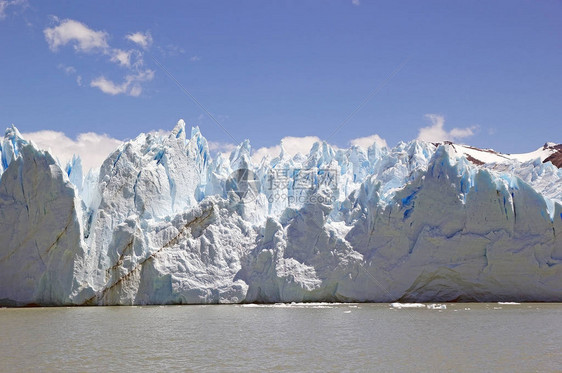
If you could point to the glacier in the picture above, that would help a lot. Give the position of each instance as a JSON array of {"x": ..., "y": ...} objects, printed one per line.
[{"x": 162, "y": 221}]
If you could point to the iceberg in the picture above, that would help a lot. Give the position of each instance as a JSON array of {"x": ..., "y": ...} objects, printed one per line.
[{"x": 163, "y": 222}]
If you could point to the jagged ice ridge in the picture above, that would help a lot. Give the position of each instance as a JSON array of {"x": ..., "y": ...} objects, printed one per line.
[{"x": 162, "y": 222}]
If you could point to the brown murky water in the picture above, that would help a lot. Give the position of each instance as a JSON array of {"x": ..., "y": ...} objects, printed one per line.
[{"x": 314, "y": 337}]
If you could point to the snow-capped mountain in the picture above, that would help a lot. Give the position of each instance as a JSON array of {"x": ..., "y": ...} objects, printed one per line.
[{"x": 163, "y": 222}]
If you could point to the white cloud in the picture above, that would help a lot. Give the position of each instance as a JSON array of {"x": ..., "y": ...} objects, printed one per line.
[
  {"x": 131, "y": 84},
  {"x": 272, "y": 152},
  {"x": 5, "y": 4},
  {"x": 461, "y": 133},
  {"x": 356, "y": 2},
  {"x": 294, "y": 145},
  {"x": 366, "y": 142},
  {"x": 144, "y": 40},
  {"x": 160, "y": 132},
  {"x": 121, "y": 57},
  {"x": 291, "y": 144},
  {"x": 93, "y": 148},
  {"x": 437, "y": 133},
  {"x": 77, "y": 33},
  {"x": 87, "y": 40},
  {"x": 195, "y": 59},
  {"x": 221, "y": 147},
  {"x": 136, "y": 90},
  {"x": 107, "y": 86}
]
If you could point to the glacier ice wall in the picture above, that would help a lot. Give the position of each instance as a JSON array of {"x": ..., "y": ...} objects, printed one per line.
[
  {"x": 40, "y": 232},
  {"x": 163, "y": 222}
]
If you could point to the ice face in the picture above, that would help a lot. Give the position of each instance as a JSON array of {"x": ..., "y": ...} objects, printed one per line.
[
  {"x": 40, "y": 236},
  {"x": 161, "y": 221}
]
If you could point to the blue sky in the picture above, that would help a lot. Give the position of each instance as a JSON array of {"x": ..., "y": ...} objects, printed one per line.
[{"x": 487, "y": 73}]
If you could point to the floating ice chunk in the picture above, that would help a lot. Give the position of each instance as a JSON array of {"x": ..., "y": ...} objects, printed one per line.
[
  {"x": 437, "y": 306},
  {"x": 407, "y": 305}
]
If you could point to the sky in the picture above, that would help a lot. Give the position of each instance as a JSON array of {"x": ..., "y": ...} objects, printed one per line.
[{"x": 80, "y": 77}]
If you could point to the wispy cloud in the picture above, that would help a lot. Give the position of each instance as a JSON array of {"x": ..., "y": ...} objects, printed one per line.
[
  {"x": 160, "y": 132},
  {"x": 73, "y": 32},
  {"x": 89, "y": 41},
  {"x": 195, "y": 59},
  {"x": 140, "y": 38},
  {"x": 109, "y": 87},
  {"x": 92, "y": 147},
  {"x": 221, "y": 147},
  {"x": 121, "y": 57},
  {"x": 171, "y": 50},
  {"x": 3, "y": 7},
  {"x": 6, "y": 5},
  {"x": 367, "y": 141},
  {"x": 291, "y": 144},
  {"x": 130, "y": 86},
  {"x": 356, "y": 2},
  {"x": 71, "y": 71},
  {"x": 437, "y": 133}
]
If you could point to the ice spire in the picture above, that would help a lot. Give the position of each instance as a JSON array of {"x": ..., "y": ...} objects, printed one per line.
[
  {"x": 179, "y": 130},
  {"x": 240, "y": 157},
  {"x": 11, "y": 146}
]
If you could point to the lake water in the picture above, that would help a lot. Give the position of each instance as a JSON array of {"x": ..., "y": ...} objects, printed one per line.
[{"x": 316, "y": 337}]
